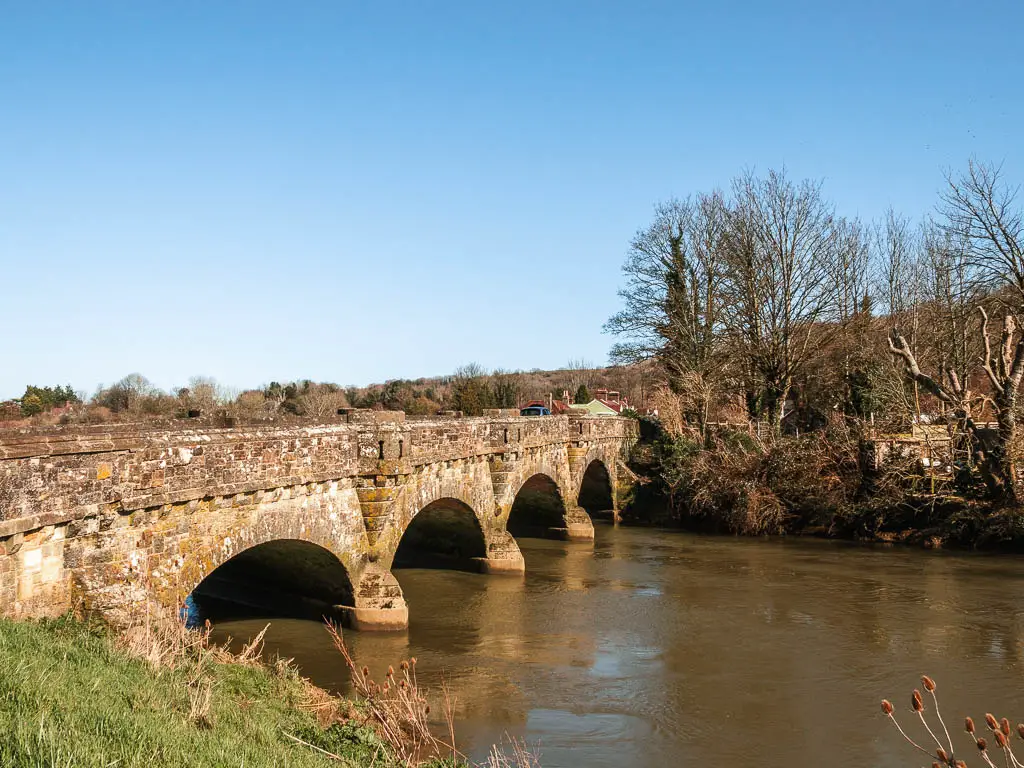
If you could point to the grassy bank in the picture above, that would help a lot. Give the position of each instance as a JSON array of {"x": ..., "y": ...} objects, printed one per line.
[{"x": 72, "y": 695}]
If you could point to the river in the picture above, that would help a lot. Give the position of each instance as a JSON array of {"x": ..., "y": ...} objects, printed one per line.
[{"x": 654, "y": 648}]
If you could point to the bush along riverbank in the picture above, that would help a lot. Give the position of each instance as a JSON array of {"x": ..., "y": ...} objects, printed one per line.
[
  {"x": 825, "y": 483},
  {"x": 76, "y": 694}
]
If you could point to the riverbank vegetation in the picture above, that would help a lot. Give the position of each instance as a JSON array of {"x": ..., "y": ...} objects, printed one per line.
[
  {"x": 826, "y": 374},
  {"x": 823, "y": 483},
  {"x": 75, "y": 694}
]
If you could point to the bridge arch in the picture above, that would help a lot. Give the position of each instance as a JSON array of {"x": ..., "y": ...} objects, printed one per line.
[
  {"x": 538, "y": 508},
  {"x": 597, "y": 490},
  {"x": 446, "y": 533},
  {"x": 279, "y": 577}
]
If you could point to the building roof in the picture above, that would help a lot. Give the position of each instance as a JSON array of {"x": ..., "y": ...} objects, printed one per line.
[
  {"x": 610, "y": 399},
  {"x": 597, "y": 408}
]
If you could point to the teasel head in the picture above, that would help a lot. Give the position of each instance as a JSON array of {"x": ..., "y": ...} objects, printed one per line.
[
  {"x": 928, "y": 683},
  {"x": 969, "y": 725},
  {"x": 1004, "y": 726},
  {"x": 990, "y": 721},
  {"x": 405, "y": 666},
  {"x": 942, "y": 755},
  {"x": 982, "y": 744},
  {"x": 391, "y": 671},
  {"x": 887, "y": 707},
  {"x": 960, "y": 764},
  {"x": 1000, "y": 739},
  {"x": 916, "y": 702},
  {"x": 1020, "y": 730}
]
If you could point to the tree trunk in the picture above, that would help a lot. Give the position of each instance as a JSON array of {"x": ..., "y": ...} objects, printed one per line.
[
  {"x": 1002, "y": 458},
  {"x": 775, "y": 395}
]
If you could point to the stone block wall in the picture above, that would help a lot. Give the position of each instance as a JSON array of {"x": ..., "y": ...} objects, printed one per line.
[{"x": 85, "y": 510}]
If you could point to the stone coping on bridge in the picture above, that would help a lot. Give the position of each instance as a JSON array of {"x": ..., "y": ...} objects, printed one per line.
[
  {"x": 48, "y": 440},
  {"x": 58, "y": 474}
]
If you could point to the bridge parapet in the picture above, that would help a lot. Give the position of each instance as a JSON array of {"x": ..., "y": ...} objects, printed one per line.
[{"x": 86, "y": 504}]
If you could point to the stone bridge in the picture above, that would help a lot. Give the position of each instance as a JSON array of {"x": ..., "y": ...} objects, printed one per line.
[{"x": 101, "y": 519}]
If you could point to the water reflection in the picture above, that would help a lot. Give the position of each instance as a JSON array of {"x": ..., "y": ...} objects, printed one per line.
[{"x": 653, "y": 648}]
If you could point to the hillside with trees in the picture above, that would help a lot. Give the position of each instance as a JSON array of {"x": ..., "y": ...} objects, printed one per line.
[{"x": 469, "y": 390}]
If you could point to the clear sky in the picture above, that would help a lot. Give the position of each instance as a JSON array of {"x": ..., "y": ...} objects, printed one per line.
[{"x": 356, "y": 191}]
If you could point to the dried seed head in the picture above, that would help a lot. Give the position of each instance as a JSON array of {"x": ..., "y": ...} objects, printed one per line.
[
  {"x": 391, "y": 671},
  {"x": 969, "y": 724},
  {"x": 426, "y": 710},
  {"x": 916, "y": 702},
  {"x": 1004, "y": 726},
  {"x": 1020, "y": 730},
  {"x": 928, "y": 683},
  {"x": 405, "y": 665},
  {"x": 1000, "y": 739},
  {"x": 412, "y": 661},
  {"x": 887, "y": 706},
  {"x": 960, "y": 764},
  {"x": 982, "y": 744},
  {"x": 942, "y": 755},
  {"x": 990, "y": 720},
  {"x": 935, "y": 765}
]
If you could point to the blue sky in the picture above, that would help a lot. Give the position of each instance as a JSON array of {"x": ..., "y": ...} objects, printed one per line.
[{"x": 353, "y": 192}]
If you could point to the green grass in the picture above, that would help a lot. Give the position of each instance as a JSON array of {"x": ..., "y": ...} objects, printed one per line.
[{"x": 70, "y": 697}]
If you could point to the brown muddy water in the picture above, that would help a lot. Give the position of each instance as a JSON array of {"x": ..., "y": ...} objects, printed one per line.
[{"x": 652, "y": 648}]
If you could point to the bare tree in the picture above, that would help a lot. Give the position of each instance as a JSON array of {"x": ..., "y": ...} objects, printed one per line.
[
  {"x": 982, "y": 210},
  {"x": 127, "y": 394},
  {"x": 843, "y": 369},
  {"x": 983, "y": 237},
  {"x": 782, "y": 248},
  {"x": 897, "y": 262},
  {"x": 320, "y": 401},
  {"x": 900, "y": 279},
  {"x": 581, "y": 373},
  {"x": 951, "y": 299},
  {"x": 673, "y": 301}
]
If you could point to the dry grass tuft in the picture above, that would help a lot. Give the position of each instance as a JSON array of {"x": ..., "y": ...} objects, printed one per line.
[
  {"x": 163, "y": 640},
  {"x": 398, "y": 709},
  {"x": 323, "y": 706},
  {"x": 518, "y": 756}
]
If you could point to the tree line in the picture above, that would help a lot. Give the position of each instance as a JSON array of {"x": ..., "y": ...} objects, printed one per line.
[{"x": 469, "y": 390}]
